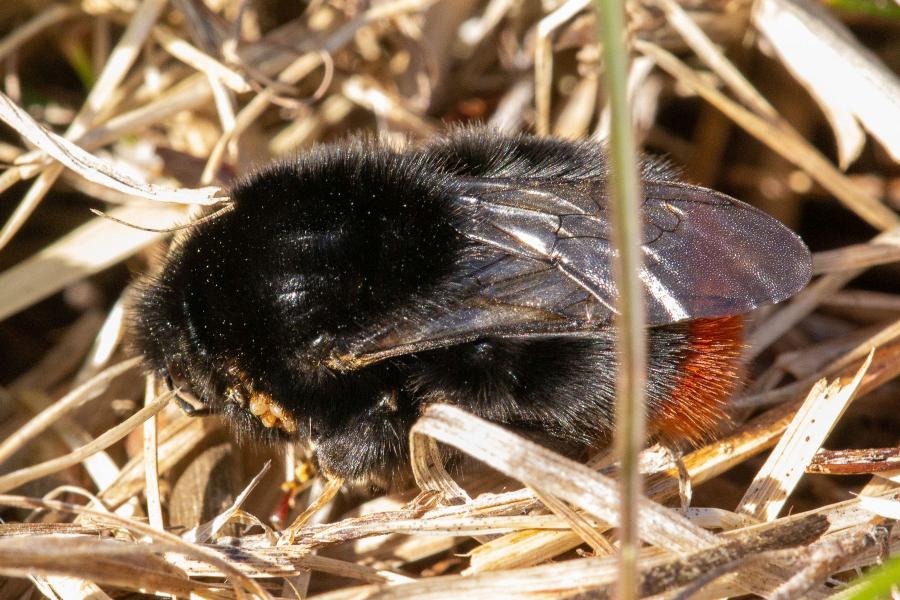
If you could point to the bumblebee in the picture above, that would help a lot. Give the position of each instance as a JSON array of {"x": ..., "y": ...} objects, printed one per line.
[{"x": 349, "y": 287}]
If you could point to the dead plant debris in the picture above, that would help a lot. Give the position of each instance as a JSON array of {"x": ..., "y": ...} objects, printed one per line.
[{"x": 146, "y": 109}]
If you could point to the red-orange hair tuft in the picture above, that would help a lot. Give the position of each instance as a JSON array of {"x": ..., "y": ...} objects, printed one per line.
[{"x": 709, "y": 372}]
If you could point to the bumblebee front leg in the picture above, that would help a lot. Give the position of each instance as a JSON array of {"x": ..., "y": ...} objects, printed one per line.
[
  {"x": 189, "y": 409},
  {"x": 186, "y": 407}
]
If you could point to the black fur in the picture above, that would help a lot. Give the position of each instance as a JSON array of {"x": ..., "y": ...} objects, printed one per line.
[{"x": 319, "y": 247}]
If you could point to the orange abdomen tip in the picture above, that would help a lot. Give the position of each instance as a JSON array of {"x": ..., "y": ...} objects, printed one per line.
[{"x": 708, "y": 373}]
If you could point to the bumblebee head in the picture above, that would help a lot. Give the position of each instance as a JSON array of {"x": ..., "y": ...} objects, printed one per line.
[{"x": 201, "y": 325}]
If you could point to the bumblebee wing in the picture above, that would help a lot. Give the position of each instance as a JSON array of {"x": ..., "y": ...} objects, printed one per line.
[
  {"x": 705, "y": 253},
  {"x": 543, "y": 265}
]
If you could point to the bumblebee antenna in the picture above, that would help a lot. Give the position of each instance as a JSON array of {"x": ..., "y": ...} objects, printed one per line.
[{"x": 227, "y": 208}]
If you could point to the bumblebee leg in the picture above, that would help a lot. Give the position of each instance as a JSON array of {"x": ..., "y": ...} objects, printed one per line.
[
  {"x": 299, "y": 479},
  {"x": 186, "y": 407},
  {"x": 190, "y": 410}
]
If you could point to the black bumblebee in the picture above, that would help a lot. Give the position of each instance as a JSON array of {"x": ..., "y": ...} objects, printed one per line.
[{"x": 350, "y": 287}]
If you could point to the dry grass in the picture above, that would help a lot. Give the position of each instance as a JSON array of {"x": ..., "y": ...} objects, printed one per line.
[{"x": 143, "y": 108}]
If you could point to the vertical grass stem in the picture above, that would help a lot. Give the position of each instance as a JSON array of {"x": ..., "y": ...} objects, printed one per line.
[{"x": 630, "y": 325}]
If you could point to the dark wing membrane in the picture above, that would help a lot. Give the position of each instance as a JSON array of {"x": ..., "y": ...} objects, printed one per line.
[
  {"x": 499, "y": 295},
  {"x": 705, "y": 254},
  {"x": 544, "y": 265}
]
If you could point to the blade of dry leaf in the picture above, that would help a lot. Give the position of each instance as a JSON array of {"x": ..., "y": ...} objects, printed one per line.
[
  {"x": 88, "y": 249},
  {"x": 177, "y": 440},
  {"x": 11, "y": 481},
  {"x": 889, "y": 508},
  {"x": 781, "y": 138},
  {"x": 859, "y": 256},
  {"x": 572, "y": 482},
  {"x": 92, "y": 168},
  {"x": 118, "y": 63},
  {"x": 77, "y": 397},
  {"x": 816, "y": 418},
  {"x": 163, "y": 539},
  {"x": 43, "y": 20},
  {"x": 151, "y": 459},
  {"x": 851, "y": 85},
  {"x": 206, "y": 531}
]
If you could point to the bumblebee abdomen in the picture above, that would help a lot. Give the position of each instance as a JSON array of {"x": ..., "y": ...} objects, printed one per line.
[
  {"x": 564, "y": 387},
  {"x": 689, "y": 402}
]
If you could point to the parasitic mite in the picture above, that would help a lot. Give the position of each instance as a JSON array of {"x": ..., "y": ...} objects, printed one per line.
[{"x": 349, "y": 287}]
